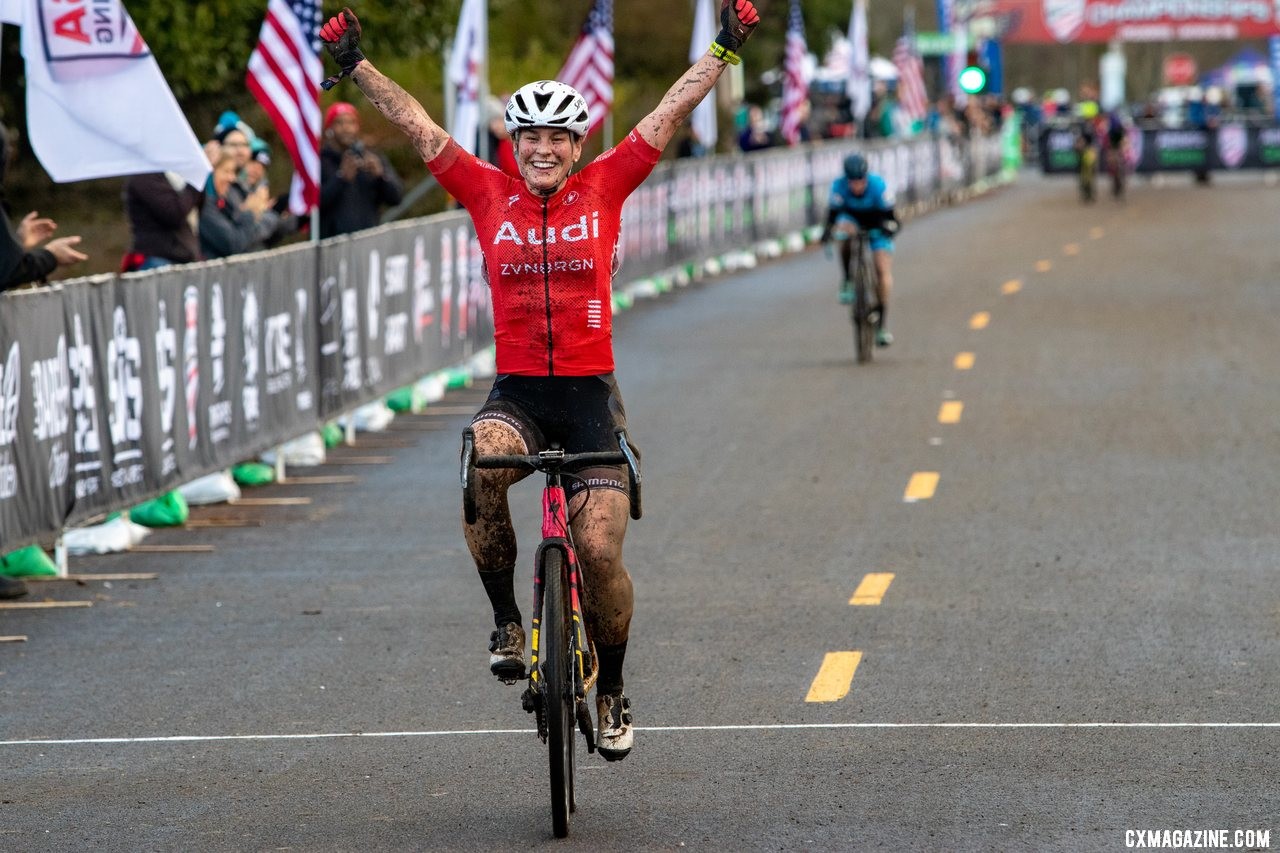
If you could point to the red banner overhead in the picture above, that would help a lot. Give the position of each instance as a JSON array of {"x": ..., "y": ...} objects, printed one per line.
[{"x": 1063, "y": 21}]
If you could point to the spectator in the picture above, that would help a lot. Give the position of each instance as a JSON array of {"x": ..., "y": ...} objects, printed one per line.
[
  {"x": 238, "y": 142},
  {"x": 355, "y": 182},
  {"x": 21, "y": 261},
  {"x": 501, "y": 152},
  {"x": 756, "y": 135},
  {"x": 162, "y": 211},
  {"x": 253, "y": 177},
  {"x": 228, "y": 227},
  {"x": 690, "y": 144}
]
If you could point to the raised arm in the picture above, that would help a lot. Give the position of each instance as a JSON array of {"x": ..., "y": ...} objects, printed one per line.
[
  {"x": 342, "y": 38},
  {"x": 738, "y": 19}
]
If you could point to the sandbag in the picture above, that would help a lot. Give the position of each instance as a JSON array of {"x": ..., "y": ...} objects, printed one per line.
[
  {"x": 214, "y": 489},
  {"x": 29, "y": 562},
  {"x": 168, "y": 510}
]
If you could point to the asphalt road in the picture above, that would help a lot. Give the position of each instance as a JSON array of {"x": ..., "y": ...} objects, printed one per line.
[{"x": 1080, "y": 636}]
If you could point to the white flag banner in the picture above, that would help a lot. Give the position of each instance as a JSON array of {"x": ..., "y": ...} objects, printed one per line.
[
  {"x": 858, "y": 86},
  {"x": 97, "y": 104},
  {"x": 705, "y": 126},
  {"x": 466, "y": 63}
]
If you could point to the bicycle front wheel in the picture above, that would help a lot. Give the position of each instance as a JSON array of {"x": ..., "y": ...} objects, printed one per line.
[
  {"x": 863, "y": 329},
  {"x": 557, "y": 675}
]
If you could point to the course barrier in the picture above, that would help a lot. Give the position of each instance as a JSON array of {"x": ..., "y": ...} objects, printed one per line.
[
  {"x": 1230, "y": 147},
  {"x": 117, "y": 388}
]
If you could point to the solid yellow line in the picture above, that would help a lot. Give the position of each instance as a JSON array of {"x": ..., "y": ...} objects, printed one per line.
[
  {"x": 950, "y": 412},
  {"x": 872, "y": 589},
  {"x": 964, "y": 361},
  {"x": 835, "y": 677},
  {"x": 1071, "y": 249},
  {"x": 921, "y": 486},
  {"x": 1011, "y": 287},
  {"x": 1044, "y": 266},
  {"x": 979, "y": 320}
]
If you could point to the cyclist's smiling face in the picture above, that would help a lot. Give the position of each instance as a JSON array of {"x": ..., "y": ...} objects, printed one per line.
[{"x": 545, "y": 156}]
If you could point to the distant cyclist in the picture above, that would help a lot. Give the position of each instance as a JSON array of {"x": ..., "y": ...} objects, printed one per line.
[
  {"x": 549, "y": 239},
  {"x": 1085, "y": 127},
  {"x": 863, "y": 201},
  {"x": 1116, "y": 146}
]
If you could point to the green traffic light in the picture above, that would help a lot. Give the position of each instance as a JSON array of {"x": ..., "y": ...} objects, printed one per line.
[{"x": 973, "y": 80}]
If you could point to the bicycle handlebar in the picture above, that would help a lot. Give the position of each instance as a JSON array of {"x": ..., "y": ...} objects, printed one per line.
[{"x": 550, "y": 460}]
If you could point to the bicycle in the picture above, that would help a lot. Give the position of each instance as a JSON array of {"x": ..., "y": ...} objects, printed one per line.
[
  {"x": 862, "y": 313},
  {"x": 563, "y": 665}
]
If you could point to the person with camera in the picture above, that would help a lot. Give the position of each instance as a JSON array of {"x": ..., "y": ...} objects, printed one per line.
[{"x": 355, "y": 182}]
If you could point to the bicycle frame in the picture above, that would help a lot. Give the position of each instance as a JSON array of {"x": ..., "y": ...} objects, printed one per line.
[{"x": 556, "y": 534}]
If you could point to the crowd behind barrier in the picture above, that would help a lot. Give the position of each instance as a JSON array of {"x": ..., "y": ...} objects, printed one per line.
[{"x": 116, "y": 388}]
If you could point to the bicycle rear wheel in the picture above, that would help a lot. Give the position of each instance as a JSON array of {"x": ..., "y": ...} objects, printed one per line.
[{"x": 557, "y": 675}]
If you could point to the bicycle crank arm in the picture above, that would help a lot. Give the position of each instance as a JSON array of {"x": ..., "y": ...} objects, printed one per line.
[{"x": 585, "y": 725}]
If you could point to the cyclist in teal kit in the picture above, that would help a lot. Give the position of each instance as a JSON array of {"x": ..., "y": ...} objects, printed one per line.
[
  {"x": 550, "y": 249},
  {"x": 861, "y": 200}
]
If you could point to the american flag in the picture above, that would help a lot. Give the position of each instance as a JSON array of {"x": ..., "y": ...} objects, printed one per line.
[
  {"x": 913, "y": 98},
  {"x": 795, "y": 89},
  {"x": 284, "y": 75},
  {"x": 589, "y": 68}
]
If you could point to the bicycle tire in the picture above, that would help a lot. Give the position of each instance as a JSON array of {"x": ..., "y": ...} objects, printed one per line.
[
  {"x": 863, "y": 330},
  {"x": 557, "y": 687}
]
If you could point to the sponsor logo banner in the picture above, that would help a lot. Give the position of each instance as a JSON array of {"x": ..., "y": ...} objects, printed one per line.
[{"x": 1063, "y": 21}]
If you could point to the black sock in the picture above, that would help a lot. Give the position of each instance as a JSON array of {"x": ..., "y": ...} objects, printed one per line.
[
  {"x": 610, "y": 681},
  {"x": 884, "y": 309},
  {"x": 500, "y": 586}
]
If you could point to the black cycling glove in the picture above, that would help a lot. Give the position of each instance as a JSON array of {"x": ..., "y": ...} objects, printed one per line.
[
  {"x": 341, "y": 36},
  {"x": 738, "y": 20}
]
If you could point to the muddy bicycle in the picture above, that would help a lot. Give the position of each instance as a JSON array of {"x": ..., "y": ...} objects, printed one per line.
[{"x": 563, "y": 665}]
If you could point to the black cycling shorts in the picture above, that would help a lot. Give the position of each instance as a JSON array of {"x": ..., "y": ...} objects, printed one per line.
[{"x": 580, "y": 413}]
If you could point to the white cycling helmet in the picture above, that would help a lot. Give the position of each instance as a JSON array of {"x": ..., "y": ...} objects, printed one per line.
[{"x": 547, "y": 103}]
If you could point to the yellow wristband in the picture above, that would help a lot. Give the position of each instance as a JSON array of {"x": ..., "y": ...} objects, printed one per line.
[{"x": 719, "y": 51}]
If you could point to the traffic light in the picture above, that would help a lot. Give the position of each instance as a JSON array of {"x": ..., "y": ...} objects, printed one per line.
[{"x": 973, "y": 77}]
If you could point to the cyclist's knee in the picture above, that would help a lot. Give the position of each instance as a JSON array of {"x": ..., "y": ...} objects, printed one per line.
[
  {"x": 602, "y": 556},
  {"x": 599, "y": 527},
  {"x": 495, "y": 438}
]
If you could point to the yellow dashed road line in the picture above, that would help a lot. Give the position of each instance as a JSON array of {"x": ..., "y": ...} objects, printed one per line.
[
  {"x": 921, "y": 486},
  {"x": 1096, "y": 233},
  {"x": 835, "y": 677},
  {"x": 1011, "y": 287},
  {"x": 950, "y": 411},
  {"x": 1044, "y": 266},
  {"x": 872, "y": 589},
  {"x": 980, "y": 320},
  {"x": 964, "y": 361},
  {"x": 1071, "y": 249}
]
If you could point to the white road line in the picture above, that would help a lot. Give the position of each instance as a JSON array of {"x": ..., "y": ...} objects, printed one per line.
[{"x": 725, "y": 728}]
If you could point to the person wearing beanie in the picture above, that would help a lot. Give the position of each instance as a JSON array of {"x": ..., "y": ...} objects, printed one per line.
[{"x": 356, "y": 182}]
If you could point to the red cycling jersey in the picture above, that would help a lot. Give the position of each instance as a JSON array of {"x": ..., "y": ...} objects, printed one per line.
[{"x": 550, "y": 261}]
